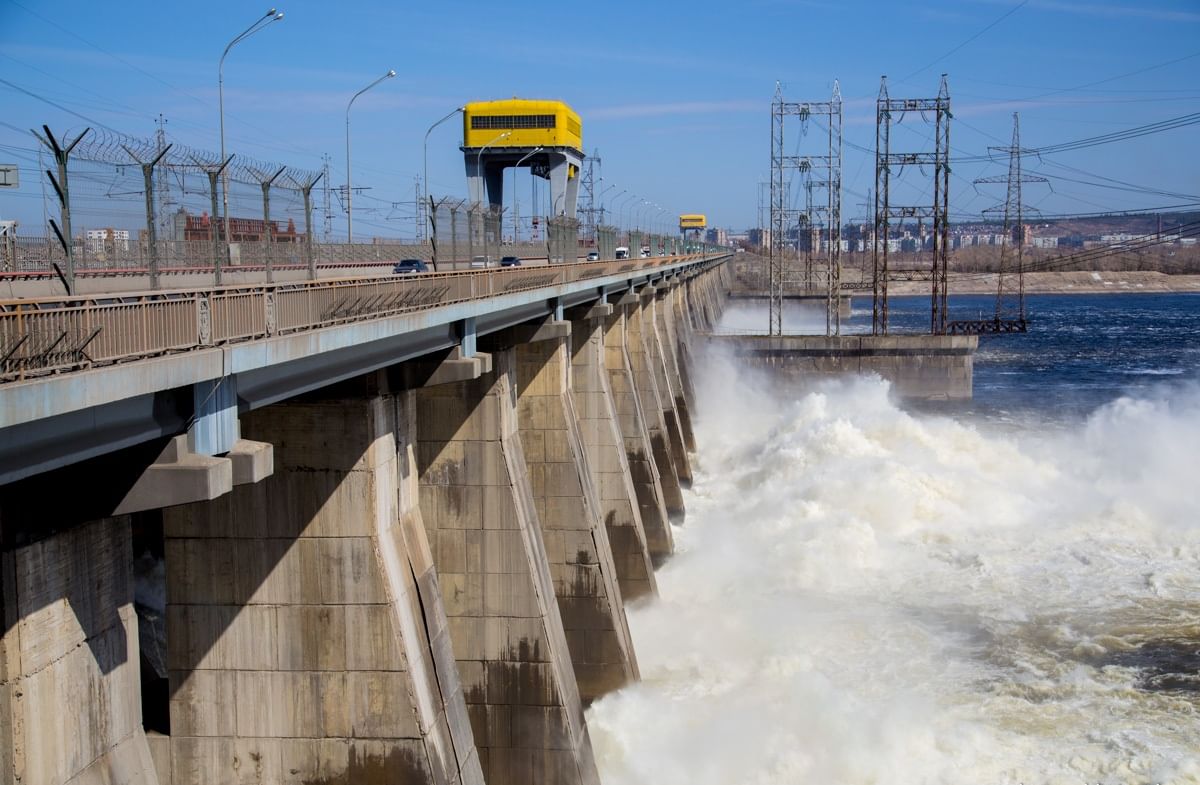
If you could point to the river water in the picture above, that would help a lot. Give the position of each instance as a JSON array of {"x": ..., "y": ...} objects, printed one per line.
[{"x": 867, "y": 591}]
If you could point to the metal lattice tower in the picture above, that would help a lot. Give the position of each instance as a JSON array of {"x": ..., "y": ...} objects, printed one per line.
[
  {"x": 888, "y": 111},
  {"x": 326, "y": 201},
  {"x": 775, "y": 284},
  {"x": 1010, "y": 285},
  {"x": 162, "y": 185},
  {"x": 590, "y": 211},
  {"x": 821, "y": 172}
]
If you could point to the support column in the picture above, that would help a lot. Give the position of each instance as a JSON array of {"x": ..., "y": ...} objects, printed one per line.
[
  {"x": 636, "y": 437},
  {"x": 305, "y": 632},
  {"x": 662, "y": 363},
  {"x": 507, "y": 632},
  {"x": 639, "y": 324},
  {"x": 604, "y": 445},
  {"x": 70, "y": 685},
  {"x": 677, "y": 339},
  {"x": 581, "y": 560}
]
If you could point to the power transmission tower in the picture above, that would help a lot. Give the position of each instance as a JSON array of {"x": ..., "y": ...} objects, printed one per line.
[
  {"x": 822, "y": 173},
  {"x": 589, "y": 210},
  {"x": 326, "y": 201},
  {"x": 1010, "y": 286},
  {"x": 166, "y": 216},
  {"x": 887, "y": 111}
]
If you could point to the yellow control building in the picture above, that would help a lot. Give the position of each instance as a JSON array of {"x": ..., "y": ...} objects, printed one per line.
[
  {"x": 545, "y": 136},
  {"x": 692, "y": 221},
  {"x": 528, "y": 123}
]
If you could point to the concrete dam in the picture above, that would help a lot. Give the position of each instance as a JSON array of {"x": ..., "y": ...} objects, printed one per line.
[
  {"x": 387, "y": 539},
  {"x": 413, "y": 574}
]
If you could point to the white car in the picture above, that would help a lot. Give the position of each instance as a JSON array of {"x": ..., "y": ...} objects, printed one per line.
[{"x": 593, "y": 256}]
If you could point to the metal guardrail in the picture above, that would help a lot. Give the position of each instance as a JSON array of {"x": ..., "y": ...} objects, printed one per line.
[
  {"x": 56, "y": 335},
  {"x": 38, "y": 255}
]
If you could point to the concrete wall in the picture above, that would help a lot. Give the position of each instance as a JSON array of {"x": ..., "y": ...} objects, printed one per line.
[
  {"x": 507, "y": 632},
  {"x": 606, "y": 457},
  {"x": 632, "y": 419},
  {"x": 301, "y": 646},
  {"x": 429, "y": 588},
  {"x": 70, "y": 698},
  {"x": 568, "y": 505},
  {"x": 918, "y": 366}
]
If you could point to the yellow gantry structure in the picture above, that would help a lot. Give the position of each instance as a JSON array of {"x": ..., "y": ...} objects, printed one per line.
[
  {"x": 692, "y": 221},
  {"x": 529, "y": 123},
  {"x": 543, "y": 136}
]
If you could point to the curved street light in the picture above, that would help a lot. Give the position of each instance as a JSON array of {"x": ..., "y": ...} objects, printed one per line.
[
  {"x": 479, "y": 161},
  {"x": 259, "y": 24},
  {"x": 601, "y": 199},
  {"x": 349, "y": 190},
  {"x": 425, "y": 156},
  {"x": 620, "y": 211}
]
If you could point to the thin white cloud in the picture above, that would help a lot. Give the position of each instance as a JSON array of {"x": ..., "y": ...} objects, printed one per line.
[
  {"x": 682, "y": 108},
  {"x": 1108, "y": 10}
]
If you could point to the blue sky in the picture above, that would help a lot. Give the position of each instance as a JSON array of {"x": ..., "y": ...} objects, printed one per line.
[{"x": 675, "y": 96}]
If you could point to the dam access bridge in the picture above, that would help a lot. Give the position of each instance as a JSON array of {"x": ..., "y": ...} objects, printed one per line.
[{"x": 344, "y": 530}]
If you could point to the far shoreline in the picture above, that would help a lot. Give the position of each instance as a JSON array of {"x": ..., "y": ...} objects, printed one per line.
[{"x": 1096, "y": 282}]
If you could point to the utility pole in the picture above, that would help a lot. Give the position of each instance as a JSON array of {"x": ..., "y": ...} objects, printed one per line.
[{"x": 1010, "y": 285}]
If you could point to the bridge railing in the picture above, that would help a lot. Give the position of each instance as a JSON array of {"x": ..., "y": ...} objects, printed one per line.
[{"x": 55, "y": 335}]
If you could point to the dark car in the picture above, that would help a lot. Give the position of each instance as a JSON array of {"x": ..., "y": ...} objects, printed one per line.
[
  {"x": 510, "y": 261},
  {"x": 410, "y": 266}
]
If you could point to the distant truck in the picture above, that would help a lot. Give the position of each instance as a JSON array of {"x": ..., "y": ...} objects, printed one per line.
[{"x": 621, "y": 253}]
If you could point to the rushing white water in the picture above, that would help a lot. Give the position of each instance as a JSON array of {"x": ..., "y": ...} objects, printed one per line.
[{"x": 860, "y": 595}]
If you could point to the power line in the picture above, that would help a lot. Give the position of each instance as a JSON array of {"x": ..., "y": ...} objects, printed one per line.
[{"x": 995, "y": 22}]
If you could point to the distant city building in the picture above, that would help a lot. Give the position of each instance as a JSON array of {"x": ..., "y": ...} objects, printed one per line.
[
  {"x": 107, "y": 239},
  {"x": 241, "y": 230},
  {"x": 717, "y": 236},
  {"x": 760, "y": 238}
]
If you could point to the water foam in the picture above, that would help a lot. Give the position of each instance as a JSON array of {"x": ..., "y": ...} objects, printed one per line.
[{"x": 864, "y": 596}]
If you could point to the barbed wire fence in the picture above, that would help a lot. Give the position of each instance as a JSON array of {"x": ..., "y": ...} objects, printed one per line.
[{"x": 151, "y": 205}]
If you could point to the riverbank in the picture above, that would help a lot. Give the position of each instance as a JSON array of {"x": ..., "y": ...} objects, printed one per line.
[{"x": 1061, "y": 283}]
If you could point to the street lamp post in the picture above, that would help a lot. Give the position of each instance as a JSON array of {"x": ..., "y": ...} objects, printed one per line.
[
  {"x": 483, "y": 184},
  {"x": 349, "y": 190},
  {"x": 619, "y": 210},
  {"x": 425, "y": 156},
  {"x": 516, "y": 213},
  {"x": 601, "y": 198},
  {"x": 479, "y": 159},
  {"x": 628, "y": 206},
  {"x": 259, "y": 24}
]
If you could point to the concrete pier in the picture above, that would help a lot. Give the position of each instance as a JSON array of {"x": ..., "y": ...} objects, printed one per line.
[
  {"x": 661, "y": 359},
  {"x": 918, "y": 366},
  {"x": 639, "y": 325},
  {"x": 507, "y": 632},
  {"x": 568, "y": 507},
  {"x": 632, "y": 419},
  {"x": 667, "y": 319},
  {"x": 607, "y": 459},
  {"x": 300, "y": 645},
  {"x": 70, "y": 696}
]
